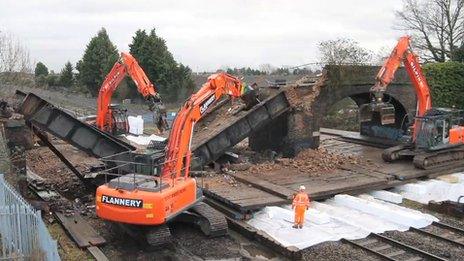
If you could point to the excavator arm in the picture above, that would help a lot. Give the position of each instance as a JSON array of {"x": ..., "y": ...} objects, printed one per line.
[
  {"x": 402, "y": 53},
  {"x": 126, "y": 65},
  {"x": 178, "y": 153},
  {"x": 436, "y": 132}
]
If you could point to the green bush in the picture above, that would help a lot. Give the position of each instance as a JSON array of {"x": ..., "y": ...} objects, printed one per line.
[
  {"x": 67, "y": 76},
  {"x": 40, "y": 69},
  {"x": 41, "y": 81},
  {"x": 53, "y": 80},
  {"x": 446, "y": 82}
]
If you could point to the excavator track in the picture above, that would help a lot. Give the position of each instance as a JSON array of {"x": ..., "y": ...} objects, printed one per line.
[
  {"x": 429, "y": 160},
  {"x": 158, "y": 236},
  {"x": 393, "y": 153},
  {"x": 211, "y": 222},
  {"x": 154, "y": 236}
]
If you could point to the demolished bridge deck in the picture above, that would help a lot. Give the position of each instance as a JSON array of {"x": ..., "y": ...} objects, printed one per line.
[{"x": 265, "y": 189}]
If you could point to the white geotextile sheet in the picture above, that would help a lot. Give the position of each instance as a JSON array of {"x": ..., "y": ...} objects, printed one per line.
[
  {"x": 437, "y": 190},
  {"x": 144, "y": 139},
  {"x": 343, "y": 216}
]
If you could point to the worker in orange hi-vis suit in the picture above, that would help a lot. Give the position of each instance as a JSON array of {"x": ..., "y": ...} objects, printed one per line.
[{"x": 300, "y": 205}]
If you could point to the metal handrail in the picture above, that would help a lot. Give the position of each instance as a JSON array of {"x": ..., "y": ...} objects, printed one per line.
[{"x": 122, "y": 163}]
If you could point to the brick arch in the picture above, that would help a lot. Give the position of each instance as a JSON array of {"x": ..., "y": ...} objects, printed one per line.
[{"x": 299, "y": 129}]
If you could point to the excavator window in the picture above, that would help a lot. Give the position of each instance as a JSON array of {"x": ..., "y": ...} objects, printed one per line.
[{"x": 446, "y": 127}]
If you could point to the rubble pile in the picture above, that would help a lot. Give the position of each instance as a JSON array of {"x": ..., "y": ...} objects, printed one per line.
[
  {"x": 309, "y": 161},
  {"x": 84, "y": 206},
  {"x": 223, "y": 179},
  {"x": 55, "y": 176}
]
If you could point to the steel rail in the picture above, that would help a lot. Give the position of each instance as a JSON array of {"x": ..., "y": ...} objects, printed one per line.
[
  {"x": 394, "y": 243},
  {"x": 441, "y": 237}
]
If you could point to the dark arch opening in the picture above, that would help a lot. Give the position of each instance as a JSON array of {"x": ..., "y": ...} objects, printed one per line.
[{"x": 344, "y": 114}]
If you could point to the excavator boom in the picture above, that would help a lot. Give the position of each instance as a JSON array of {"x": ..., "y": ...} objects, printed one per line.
[
  {"x": 402, "y": 53},
  {"x": 178, "y": 152},
  {"x": 436, "y": 132}
]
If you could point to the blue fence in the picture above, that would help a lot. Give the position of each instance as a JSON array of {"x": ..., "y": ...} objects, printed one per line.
[{"x": 23, "y": 234}]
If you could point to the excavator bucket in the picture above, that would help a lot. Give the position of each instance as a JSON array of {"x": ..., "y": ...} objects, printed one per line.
[
  {"x": 384, "y": 111},
  {"x": 250, "y": 99}
]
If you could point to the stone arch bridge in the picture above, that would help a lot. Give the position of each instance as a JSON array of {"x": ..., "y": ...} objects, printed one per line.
[
  {"x": 299, "y": 127},
  {"x": 290, "y": 120}
]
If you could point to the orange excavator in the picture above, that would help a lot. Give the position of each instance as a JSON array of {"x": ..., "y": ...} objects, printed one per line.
[
  {"x": 149, "y": 202},
  {"x": 111, "y": 117},
  {"x": 437, "y": 134}
]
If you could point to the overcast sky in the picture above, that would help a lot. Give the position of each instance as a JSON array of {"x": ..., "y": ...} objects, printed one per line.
[{"x": 206, "y": 34}]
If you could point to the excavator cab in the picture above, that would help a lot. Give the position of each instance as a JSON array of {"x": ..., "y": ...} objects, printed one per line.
[
  {"x": 439, "y": 128},
  {"x": 119, "y": 119},
  {"x": 377, "y": 110}
]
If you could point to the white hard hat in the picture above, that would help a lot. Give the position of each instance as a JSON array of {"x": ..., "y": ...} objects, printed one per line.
[{"x": 302, "y": 187}]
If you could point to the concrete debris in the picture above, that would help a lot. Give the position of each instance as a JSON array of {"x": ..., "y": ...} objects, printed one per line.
[{"x": 296, "y": 98}]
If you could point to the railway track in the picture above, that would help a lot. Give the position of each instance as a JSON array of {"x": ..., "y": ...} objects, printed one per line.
[
  {"x": 442, "y": 231},
  {"x": 389, "y": 249}
]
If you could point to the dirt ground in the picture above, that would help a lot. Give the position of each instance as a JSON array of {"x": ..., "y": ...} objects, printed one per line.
[
  {"x": 309, "y": 162},
  {"x": 57, "y": 175},
  {"x": 4, "y": 157},
  {"x": 189, "y": 244},
  {"x": 336, "y": 251}
]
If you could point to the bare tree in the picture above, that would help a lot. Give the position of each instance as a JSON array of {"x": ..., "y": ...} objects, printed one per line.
[
  {"x": 14, "y": 57},
  {"x": 437, "y": 26},
  {"x": 343, "y": 51}
]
